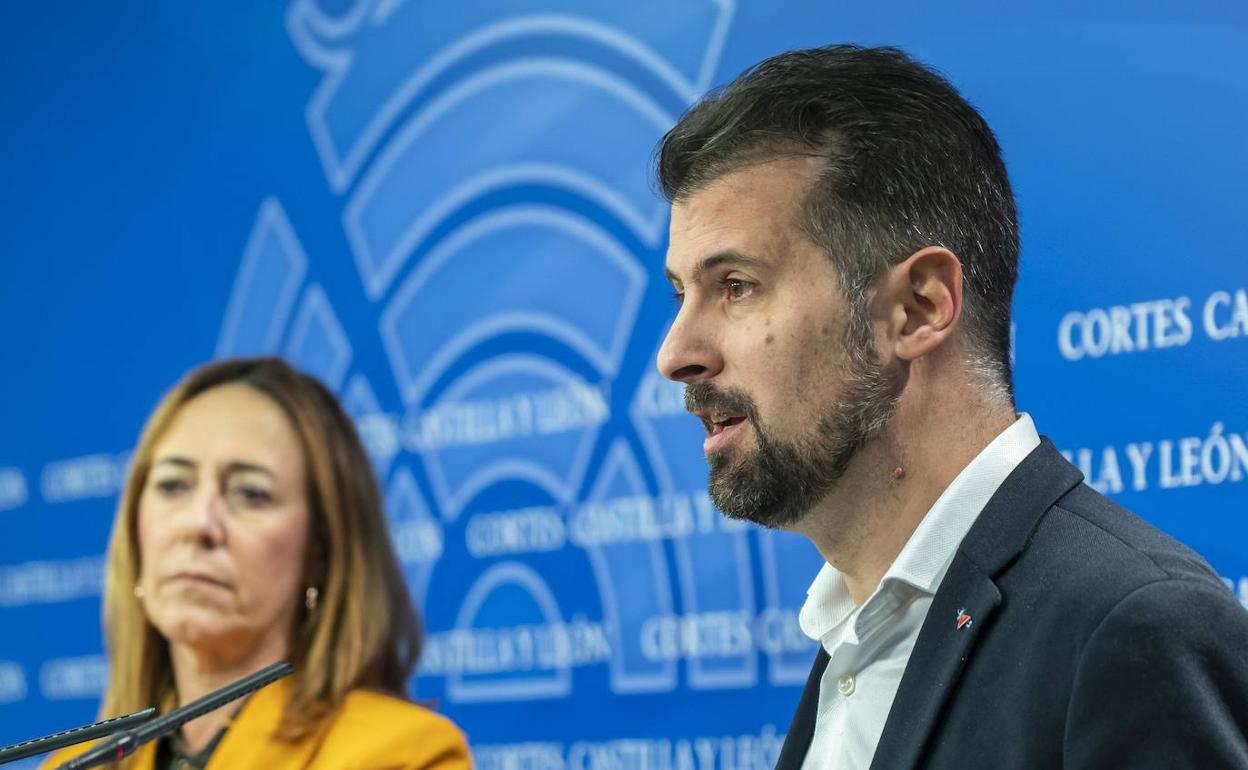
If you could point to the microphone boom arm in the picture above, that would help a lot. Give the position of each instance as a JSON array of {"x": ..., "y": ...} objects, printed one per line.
[
  {"x": 74, "y": 735},
  {"x": 122, "y": 744}
]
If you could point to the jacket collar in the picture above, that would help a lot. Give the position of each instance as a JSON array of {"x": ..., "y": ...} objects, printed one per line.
[
  {"x": 249, "y": 742},
  {"x": 945, "y": 642},
  {"x": 969, "y": 590}
]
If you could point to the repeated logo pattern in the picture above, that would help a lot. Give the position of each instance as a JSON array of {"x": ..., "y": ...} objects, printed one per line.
[{"x": 546, "y": 488}]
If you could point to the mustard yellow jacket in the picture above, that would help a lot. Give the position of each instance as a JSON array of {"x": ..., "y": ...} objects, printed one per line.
[{"x": 371, "y": 731}]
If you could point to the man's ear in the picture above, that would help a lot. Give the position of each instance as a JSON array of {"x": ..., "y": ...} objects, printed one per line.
[{"x": 922, "y": 299}]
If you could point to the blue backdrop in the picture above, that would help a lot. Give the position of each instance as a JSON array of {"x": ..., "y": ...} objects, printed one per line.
[{"x": 444, "y": 210}]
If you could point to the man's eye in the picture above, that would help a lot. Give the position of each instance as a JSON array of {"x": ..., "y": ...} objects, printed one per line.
[
  {"x": 678, "y": 298},
  {"x": 736, "y": 288}
]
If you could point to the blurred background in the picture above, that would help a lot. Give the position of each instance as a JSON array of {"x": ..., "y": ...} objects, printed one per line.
[{"x": 445, "y": 211}]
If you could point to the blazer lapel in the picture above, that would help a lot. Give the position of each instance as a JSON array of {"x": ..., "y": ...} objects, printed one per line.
[
  {"x": 966, "y": 600},
  {"x": 249, "y": 742},
  {"x": 797, "y": 741},
  {"x": 954, "y": 622}
]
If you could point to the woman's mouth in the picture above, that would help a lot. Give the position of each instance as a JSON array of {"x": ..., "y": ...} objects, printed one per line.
[{"x": 200, "y": 579}]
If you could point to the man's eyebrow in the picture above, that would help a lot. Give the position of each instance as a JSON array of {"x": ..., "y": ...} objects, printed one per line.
[{"x": 719, "y": 259}]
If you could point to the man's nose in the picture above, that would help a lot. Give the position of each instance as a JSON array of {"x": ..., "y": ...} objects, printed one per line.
[{"x": 690, "y": 352}]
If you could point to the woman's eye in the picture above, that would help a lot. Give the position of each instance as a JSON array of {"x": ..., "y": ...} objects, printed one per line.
[
  {"x": 170, "y": 487},
  {"x": 678, "y": 298},
  {"x": 252, "y": 496}
]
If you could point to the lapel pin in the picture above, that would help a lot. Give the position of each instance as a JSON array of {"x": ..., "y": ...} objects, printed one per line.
[{"x": 964, "y": 620}]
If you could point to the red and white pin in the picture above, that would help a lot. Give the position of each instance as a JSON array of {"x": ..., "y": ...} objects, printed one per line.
[{"x": 964, "y": 620}]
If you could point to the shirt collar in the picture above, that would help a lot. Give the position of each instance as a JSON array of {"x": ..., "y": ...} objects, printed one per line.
[
  {"x": 928, "y": 553},
  {"x": 926, "y": 557},
  {"x": 827, "y": 605}
]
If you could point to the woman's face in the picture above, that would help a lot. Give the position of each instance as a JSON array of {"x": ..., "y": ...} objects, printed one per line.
[{"x": 223, "y": 526}]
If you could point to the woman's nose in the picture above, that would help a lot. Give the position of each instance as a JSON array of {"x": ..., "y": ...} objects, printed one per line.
[{"x": 205, "y": 519}]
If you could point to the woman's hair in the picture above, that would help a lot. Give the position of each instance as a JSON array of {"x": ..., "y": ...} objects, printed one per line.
[{"x": 363, "y": 632}]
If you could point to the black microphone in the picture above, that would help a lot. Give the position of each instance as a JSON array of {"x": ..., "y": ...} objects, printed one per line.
[
  {"x": 74, "y": 735},
  {"x": 122, "y": 744}
]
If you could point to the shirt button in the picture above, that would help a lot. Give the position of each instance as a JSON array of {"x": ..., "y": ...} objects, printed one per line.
[{"x": 846, "y": 685}]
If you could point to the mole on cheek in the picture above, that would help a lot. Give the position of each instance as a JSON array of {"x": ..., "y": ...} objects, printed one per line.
[{"x": 769, "y": 339}]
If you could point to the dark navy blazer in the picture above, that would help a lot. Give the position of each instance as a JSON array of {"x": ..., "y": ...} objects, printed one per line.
[{"x": 1096, "y": 642}]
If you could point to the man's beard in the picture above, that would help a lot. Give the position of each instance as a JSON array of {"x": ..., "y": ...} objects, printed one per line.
[{"x": 783, "y": 481}]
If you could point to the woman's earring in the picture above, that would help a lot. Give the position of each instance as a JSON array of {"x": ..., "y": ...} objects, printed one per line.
[
  {"x": 311, "y": 597},
  {"x": 138, "y": 591}
]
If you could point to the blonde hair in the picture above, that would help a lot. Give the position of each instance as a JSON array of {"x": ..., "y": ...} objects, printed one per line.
[{"x": 364, "y": 631}]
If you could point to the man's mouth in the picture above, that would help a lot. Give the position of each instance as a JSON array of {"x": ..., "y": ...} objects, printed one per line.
[
  {"x": 717, "y": 422},
  {"x": 721, "y": 429},
  {"x": 723, "y": 413}
]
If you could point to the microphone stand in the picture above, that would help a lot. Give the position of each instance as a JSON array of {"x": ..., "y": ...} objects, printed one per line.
[
  {"x": 124, "y": 743},
  {"x": 72, "y": 736}
]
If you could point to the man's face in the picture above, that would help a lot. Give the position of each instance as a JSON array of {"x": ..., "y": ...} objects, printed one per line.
[{"x": 787, "y": 386}]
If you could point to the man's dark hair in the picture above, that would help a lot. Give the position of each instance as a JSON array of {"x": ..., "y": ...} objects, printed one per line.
[{"x": 908, "y": 163}]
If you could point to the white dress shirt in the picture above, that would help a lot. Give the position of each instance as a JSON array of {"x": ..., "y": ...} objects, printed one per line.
[{"x": 870, "y": 645}]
